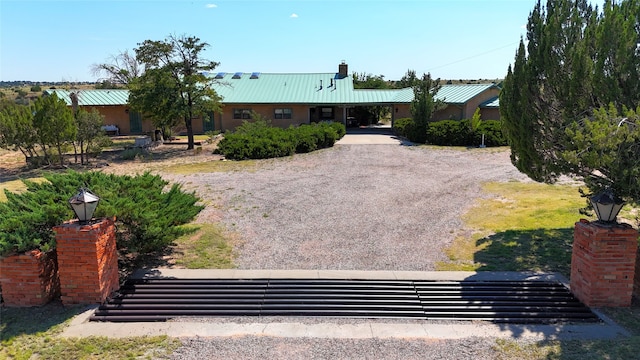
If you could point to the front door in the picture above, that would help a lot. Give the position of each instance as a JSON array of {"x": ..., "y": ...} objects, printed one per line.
[
  {"x": 135, "y": 122},
  {"x": 207, "y": 122}
]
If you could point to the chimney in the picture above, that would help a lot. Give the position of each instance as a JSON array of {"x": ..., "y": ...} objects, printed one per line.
[{"x": 343, "y": 70}]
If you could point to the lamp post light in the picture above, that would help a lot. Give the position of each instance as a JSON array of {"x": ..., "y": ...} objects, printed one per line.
[
  {"x": 607, "y": 206},
  {"x": 84, "y": 204}
]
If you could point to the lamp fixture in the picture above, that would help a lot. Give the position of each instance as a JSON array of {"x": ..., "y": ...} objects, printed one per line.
[
  {"x": 607, "y": 206},
  {"x": 84, "y": 204}
]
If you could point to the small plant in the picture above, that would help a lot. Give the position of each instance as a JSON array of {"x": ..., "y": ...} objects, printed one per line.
[{"x": 133, "y": 154}]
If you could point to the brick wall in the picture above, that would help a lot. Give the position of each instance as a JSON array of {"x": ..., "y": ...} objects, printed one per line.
[
  {"x": 29, "y": 279},
  {"x": 603, "y": 264},
  {"x": 87, "y": 261}
]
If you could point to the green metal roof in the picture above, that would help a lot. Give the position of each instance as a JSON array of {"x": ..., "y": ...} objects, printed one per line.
[
  {"x": 94, "y": 97},
  {"x": 318, "y": 89},
  {"x": 462, "y": 93},
  {"x": 266, "y": 88},
  {"x": 491, "y": 103}
]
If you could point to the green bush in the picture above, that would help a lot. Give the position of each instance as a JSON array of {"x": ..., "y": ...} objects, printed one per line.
[
  {"x": 407, "y": 127},
  {"x": 460, "y": 133},
  {"x": 493, "y": 135},
  {"x": 148, "y": 216},
  {"x": 450, "y": 133},
  {"x": 259, "y": 140}
]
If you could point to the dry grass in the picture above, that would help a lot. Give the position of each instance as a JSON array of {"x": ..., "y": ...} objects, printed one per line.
[
  {"x": 15, "y": 186},
  {"x": 210, "y": 166}
]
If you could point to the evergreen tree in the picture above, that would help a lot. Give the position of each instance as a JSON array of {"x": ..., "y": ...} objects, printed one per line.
[
  {"x": 576, "y": 61},
  {"x": 424, "y": 105},
  {"x": 54, "y": 124},
  {"x": 16, "y": 128}
]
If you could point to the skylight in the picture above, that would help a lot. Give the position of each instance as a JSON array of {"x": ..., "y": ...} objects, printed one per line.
[
  {"x": 237, "y": 75},
  {"x": 220, "y": 75},
  {"x": 255, "y": 75}
]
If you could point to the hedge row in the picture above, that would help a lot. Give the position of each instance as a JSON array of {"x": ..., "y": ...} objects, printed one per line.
[
  {"x": 452, "y": 132},
  {"x": 147, "y": 215},
  {"x": 260, "y": 140}
]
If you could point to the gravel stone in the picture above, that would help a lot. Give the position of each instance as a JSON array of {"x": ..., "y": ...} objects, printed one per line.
[
  {"x": 254, "y": 347},
  {"x": 350, "y": 207}
]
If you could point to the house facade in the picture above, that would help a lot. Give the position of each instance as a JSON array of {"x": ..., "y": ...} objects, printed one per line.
[{"x": 293, "y": 99}]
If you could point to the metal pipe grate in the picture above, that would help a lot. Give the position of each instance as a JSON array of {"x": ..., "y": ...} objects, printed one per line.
[{"x": 496, "y": 301}]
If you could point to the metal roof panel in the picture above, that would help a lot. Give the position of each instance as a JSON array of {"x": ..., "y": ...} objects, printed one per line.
[
  {"x": 94, "y": 97},
  {"x": 460, "y": 94}
]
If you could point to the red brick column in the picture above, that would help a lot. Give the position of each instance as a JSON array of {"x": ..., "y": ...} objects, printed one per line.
[
  {"x": 29, "y": 279},
  {"x": 636, "y": 287},
  {"x": 603, "y": 263},
  {"x": 87, "y": 261}
]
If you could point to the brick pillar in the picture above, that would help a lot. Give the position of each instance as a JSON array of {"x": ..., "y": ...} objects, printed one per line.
[
  {"x": 636, "y": 287},
  {"x": 29, "y": 279},
  {"x": 603, "y": 263},
  {"x": 87, "y": 261}
]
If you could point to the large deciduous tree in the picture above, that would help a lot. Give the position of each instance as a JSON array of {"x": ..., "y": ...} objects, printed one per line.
[
  {"x": 120, "y": 70},
  {"x": 573, "y": 81},
  {"x": 175, "y": 84}
]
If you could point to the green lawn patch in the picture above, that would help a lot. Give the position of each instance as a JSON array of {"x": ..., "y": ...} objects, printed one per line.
[
  {"x": 34, "y": 333},
  {"x": 522, "y": 227},
  {"x": 204, "y": 247}
]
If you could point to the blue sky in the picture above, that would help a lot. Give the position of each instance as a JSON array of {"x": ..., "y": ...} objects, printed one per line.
[{"x": 452, "y": 39}]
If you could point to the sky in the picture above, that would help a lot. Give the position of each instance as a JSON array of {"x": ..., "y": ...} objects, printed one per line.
[{"x": 59, "y": 40}]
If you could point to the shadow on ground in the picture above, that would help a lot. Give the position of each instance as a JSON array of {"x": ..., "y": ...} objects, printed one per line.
[
  {"x": 34, "y": 320},
  {"x": 546, "y": 250}
]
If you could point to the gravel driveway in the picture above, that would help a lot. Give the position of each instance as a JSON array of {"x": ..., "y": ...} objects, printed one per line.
[{"x": 350, "y": 207}]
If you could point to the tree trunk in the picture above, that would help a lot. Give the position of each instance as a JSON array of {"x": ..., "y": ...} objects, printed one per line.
[
  {"x": 60, "y": 154},
  {"x": 189, "y": 125}
]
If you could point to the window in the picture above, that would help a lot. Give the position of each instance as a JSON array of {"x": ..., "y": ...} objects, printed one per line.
[
  {"x": 282, "y": 113},
  {"x": 326, "y": 113},
  {"x": 242, "y": 113}
]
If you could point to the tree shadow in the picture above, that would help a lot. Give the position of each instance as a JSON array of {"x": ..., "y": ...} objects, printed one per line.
[
  {"x": 541, "y": 250},
  {"x": 17, "y": 321},
  {"x": 549, "y": 251}
]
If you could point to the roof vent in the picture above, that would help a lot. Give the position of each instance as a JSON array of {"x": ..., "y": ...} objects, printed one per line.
[
  {"x": 255, "y": 75},
  {"x": 220, "y": 75},
  {"x": 237, "y": 75}
]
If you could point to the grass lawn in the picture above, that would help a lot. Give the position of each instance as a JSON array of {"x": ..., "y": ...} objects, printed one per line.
[
  {"x": 32, "y": 333},
  {"x": 15, "y": 186},
  {"x": 522, "y": 226},
  {"x": 205, "y": 247},
  {"x": 529, "y": 226}
]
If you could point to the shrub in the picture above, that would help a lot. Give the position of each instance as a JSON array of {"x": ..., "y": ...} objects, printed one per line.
[
  {"x": 148, "y": 216},
  {"x": 450, "y": 133},
  {"x": 492, "y": 129},
  {"x": 461, "y": 133},
  {"x": 259, "y": 140},
  {"x": 408, "y": 128},
  {"x": 36, "y": 88}
]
